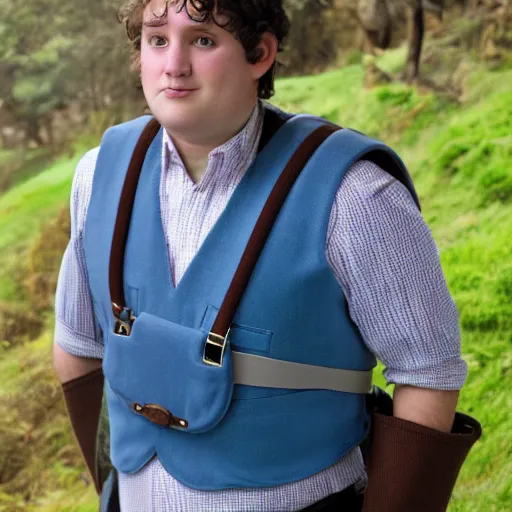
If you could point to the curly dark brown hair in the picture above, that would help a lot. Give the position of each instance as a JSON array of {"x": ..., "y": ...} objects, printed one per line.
[{"x": 247, "y": 20}]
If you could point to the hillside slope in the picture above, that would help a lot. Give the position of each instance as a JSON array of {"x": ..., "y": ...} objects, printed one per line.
[{"x": 459, "y": 155}]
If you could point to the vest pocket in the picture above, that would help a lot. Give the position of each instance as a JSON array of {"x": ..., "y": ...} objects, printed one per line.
[
  {"x": 249, "y": 339},
  {"x": 158, "y": 371}
]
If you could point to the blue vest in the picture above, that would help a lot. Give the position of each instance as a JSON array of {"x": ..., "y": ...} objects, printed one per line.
[{"x": 293, "y": 310}]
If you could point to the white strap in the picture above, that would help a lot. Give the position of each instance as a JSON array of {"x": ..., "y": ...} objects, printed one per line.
[{"x": 252, "y": 370}]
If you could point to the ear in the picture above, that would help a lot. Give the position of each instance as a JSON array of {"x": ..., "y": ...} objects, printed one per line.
[{"x": 267, "y": 53}]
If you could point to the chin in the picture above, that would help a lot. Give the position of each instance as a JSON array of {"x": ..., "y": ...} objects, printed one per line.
[
  {"x": 180, "y": 127},
  {"x": 178, "y": 121},
  {"x": 173, "y": 111}
]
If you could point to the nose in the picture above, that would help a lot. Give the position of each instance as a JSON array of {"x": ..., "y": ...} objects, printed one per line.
[{"x": 177, "y": 61}]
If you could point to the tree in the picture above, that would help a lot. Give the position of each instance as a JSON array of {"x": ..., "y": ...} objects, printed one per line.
[
  {"x": 416, "y": 30},
  {"x": 54, "y": 54},
  {"x": 378, "y": 17}
]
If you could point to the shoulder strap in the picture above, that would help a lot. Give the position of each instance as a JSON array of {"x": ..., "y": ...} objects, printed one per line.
[
  {"x": 124, "y": 213},
  {"x": 264, "y": 225}
]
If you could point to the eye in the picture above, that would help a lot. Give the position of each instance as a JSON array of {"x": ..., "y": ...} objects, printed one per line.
[
  {"x": 157, "y": 41},
  {"x": 204, "y": 42}
]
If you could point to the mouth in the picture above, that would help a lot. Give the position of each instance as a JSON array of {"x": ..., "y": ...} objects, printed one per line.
[
  {"x": 171, "y": 92},
  {"x": 190, "y": 89}
]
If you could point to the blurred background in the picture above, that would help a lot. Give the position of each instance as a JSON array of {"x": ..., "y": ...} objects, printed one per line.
[{"x": 432, "y": 78}]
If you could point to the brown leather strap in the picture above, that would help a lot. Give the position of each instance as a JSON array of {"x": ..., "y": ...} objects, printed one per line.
[
  {"x": 116, "y": 268},
  {"x": 256, "y": 241},
  {"x": 264, "y": 225}
]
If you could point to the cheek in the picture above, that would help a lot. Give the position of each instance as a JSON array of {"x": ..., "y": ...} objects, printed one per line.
[
  {"x": 225, "y": 72},
  {"x": 212, "y": 68},
  {"x": 149, "y": 64}
]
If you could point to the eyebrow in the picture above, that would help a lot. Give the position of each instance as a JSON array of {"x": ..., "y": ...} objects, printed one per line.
[
  {"x": 156, "y": 22},
  {"x": 161, "y": 21}
]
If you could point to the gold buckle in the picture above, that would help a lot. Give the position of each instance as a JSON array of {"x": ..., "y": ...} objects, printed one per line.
[
  {"x": 124, "y": 320},
  {"x": 122, "y": 328},
  {"x": 214, "y": 349}
]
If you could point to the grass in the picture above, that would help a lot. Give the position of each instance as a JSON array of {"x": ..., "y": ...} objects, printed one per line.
[
  {"x": 19, "y": 165},
  {"x": 23, "y": 211},
  {"x": 459, "y": 156},
  {"x": 36, "y": 436}
]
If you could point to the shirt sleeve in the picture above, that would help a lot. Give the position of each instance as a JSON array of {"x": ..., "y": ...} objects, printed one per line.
[
  {"x": 76, "y": 328},
  {"x": 386, "y": 261}
]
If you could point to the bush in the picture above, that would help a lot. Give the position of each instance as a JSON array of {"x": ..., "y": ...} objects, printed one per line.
[
  {"x": 504, "y": 284},
  {"x": 450, "y": 155},
  {"x": 496, "y": 185},
  {"x": 37, "y": 445},
  {"x": 353, "y": 57},
  {"x": 18, "y": 324},
  {"x": 44, "y": 261}
]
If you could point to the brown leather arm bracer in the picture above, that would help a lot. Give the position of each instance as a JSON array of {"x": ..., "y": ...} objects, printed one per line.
[
  {"x": 412, "y": 468},
  {"x": 83, "y": 400}
]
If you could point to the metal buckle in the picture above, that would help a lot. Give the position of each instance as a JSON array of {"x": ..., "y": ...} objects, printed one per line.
[
  {"x": 214, "y": 349},
  {"x": 122, "y": 328},
  {"x": 124, "y": 320}
]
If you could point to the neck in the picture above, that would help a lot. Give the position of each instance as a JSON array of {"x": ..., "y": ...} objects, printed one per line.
[
  {"x": 194, "y": 157},
  {"x": 194, "y": 153}
]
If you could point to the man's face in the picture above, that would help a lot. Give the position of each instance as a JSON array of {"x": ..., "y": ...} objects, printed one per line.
[{"x": 195, "y": 76}]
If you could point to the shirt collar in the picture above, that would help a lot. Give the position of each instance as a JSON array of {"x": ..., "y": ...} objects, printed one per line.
[{"x": 240, "y": 150}]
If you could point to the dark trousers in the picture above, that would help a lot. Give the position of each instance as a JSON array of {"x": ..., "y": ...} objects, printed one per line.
[{"x": 347, "y": 500}]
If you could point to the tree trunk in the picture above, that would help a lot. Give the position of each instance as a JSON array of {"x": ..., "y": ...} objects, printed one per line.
[
  {"x": 32, "y": 131},
  {"x": 48, "y": 126},
  {"x": 416, "y": 29}
]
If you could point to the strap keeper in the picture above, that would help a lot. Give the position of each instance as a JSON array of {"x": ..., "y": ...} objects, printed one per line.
[{"x": 214, "y": 349}]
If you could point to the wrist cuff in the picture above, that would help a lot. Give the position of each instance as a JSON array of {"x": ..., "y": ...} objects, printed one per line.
[
  {"x": 413, "y": 467},
  {"x": 83, "y": 401}
]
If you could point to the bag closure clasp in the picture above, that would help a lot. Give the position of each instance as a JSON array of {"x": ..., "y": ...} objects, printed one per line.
[{"x": 159, "y": 415}]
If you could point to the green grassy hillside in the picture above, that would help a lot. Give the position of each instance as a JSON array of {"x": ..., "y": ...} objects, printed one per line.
[
  {"x": 459, "y": 154},
  {"x": 23, "y": 210}
]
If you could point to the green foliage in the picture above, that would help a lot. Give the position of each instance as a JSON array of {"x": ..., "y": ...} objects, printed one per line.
[
  {"x": 392, "y": 96},
  {"x": 23, "y": 210},
  {"x": 478, "y": 139},
  {"x": 391, "y": 112},
  {"x": 43, "y": 262},
  {"x": 496, "y": 184},
  {"x": 16, "y": 165},
  {"x": 40, "y": 466},
  {"x": 53, "y": 54},
  {"x": 393, "y": 61},
  {"x": 353, "y": 57},
  {"x": 17, "y": 324}
]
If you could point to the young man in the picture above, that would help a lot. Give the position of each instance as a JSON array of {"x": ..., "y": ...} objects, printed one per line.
[{"x": 377, "y": 286}]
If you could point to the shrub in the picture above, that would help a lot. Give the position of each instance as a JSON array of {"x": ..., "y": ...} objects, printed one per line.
[
  {"x": 18, "y": 324},
  {"x": 44, "y": 260},
  {"x": 496, "y": 185}
]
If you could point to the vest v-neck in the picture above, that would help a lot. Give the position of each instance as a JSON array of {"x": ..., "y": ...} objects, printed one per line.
[
  {"x": 228, "y": 236},
  {"x": 190, "y": 209},
  {"x": 214, "y": 234}
]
